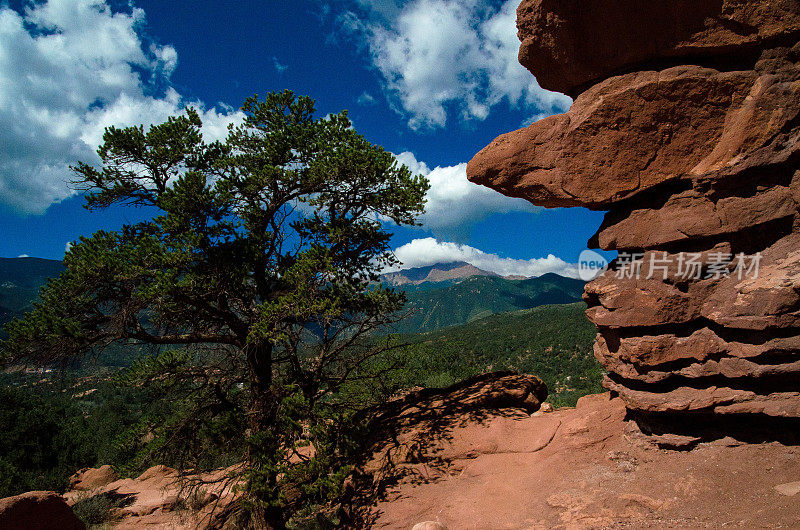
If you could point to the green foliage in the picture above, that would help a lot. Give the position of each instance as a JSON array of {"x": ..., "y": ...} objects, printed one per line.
[
  {"x": 150, "y": 368},
  {"x": 128, "y": 424},
  {"x": 96, "y": 510},
  {"x": 552, "y": 342},
  {"x": 51, "y": 429},
  {"x": 255, "y": 286},
  {"x": 34, "y": 448}
]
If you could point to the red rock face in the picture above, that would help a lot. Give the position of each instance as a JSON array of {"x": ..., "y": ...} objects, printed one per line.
[
  {"x": 570, "y": 44},
  {"x": 686, "y": 129},
  {"x": 36, "y": 510},
  {"x": 91, "y": 478}
]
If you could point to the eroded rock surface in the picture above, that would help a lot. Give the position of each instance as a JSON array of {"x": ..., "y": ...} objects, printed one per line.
[
  {"x": 686, "y": 129},
  {"x": 38, "y": 510},
  {"x": 569, "y": 44},
  {"x": 90, "y": 478},
  {"x": 161, "y": 497},
  {"x": 473, "y": 456},
  {"x": 586, "y": 468}
]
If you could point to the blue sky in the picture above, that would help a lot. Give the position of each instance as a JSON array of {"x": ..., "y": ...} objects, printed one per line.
[{"x": 432, "y": 81}]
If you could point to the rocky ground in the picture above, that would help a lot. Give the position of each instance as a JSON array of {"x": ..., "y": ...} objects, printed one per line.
[
  {"x": 590, "y": 468},
  {"x": 479, "y": 459}
]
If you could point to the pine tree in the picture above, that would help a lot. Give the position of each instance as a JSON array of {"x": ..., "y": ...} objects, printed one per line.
[{"x": 255, "y": 274}]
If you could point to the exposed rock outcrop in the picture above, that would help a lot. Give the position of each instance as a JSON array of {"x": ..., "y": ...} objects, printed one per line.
[
  {"x": 38, "y": 510},
  {"x": 686, "y": 129},
  {"x": 587, "y": 468},
  {"x": 474, "y": 457},
  {"x": 161, "y": 497},
  {"x": 570, "y": 44},
  {"x": 90, "y": 478},
  {"x": 421, "y": 430}
]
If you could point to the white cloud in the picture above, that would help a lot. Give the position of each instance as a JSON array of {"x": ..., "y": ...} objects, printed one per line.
[
  {"x": 435, "y": 54},
  {"x": 23, "y": 256},
  {"x": 429, "y": 251},
  {"x": 365, "y": 99},
  {"x": 455, "y": 204},
  {"x": 68, "y": 69}
]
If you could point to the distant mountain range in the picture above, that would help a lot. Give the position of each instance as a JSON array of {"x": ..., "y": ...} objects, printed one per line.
[
  {"x": 20, "y": 281},
  {"x": 439, "y": 273},
  {"x": 449, "y": 294},
  {"x": 441, "y": 295}
]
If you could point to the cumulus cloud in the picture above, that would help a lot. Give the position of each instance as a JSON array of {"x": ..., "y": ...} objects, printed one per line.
[
  {"x": 440, "y": 54},
  {"x": 429, "y": 251},
  {"x": 455, "y": 204},
  {"x": 68, "y": 69}
]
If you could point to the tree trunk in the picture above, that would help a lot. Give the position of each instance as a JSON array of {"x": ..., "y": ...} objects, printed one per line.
[
  {"x": 263, "y": 406},
  {"x": 262, "y": 420}
]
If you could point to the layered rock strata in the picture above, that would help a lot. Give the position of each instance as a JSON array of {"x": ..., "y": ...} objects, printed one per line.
[{"x": 685, "y": 128}]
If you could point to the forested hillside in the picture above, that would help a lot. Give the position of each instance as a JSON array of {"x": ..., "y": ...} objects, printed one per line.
[
  {"x": 553, "y": 342},
  {"x": 431, "y": 308},
  {"x": 20, "y": 281},
  {"x": 73, "y": 414}
]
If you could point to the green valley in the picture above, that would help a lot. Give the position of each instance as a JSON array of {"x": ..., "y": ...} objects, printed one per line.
[{"x": 553, "y": 342}]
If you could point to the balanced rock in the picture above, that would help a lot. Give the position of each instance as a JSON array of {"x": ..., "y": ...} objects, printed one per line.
[{"x": 686, "y": 129}]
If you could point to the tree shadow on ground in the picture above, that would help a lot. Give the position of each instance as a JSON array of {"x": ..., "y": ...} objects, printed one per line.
[{"x": 407, "y": 436}]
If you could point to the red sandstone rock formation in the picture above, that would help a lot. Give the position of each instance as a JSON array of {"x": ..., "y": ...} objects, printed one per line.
[
  {"x": 161, "y": 497},
  {"x": 37, "y": 510},
  {"x": 686, "y": 128},
  {"x": 90, "y": 478},
  {"x": 408, "y": 433},
  {"x": 474, "y": 456},
  {"x": 570, "y": 44}
]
